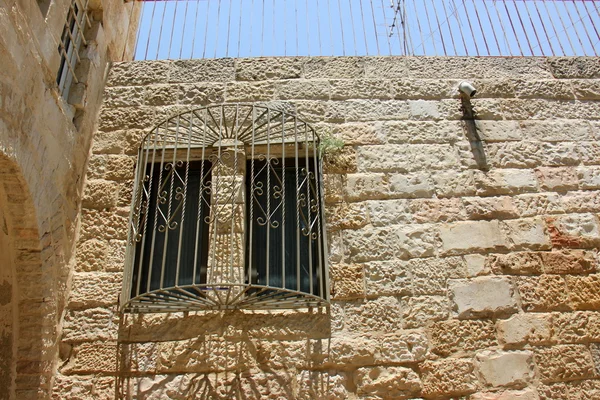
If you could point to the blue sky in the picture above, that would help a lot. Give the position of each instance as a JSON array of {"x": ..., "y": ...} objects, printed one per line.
[{"x": 251, "y": 28}]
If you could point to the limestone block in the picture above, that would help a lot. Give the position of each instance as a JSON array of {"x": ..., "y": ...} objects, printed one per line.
[
  {"x": 313, "y": 111},
  {"x": 461, "y": 337},
  {"x": 92, "y": 357},
  {"x": 83, "y": 387},
  {"x": 318, "y": 385},
  {"x": 522, "y": 154},
  {"x": 410, "y": 185},
  {"x": 401, "y": 347},
  {"x": 424, "y": 88},
  {"x": 114, "y": 119},
  {"x": 269, "y": 354},
  {"x": 588, "y": 153},
  {"x": 534, "y": 204},
  {"x": 90, "y": 255},
  {"x": 557, "y": 178},
  {"x": 589, "y": 177},
  {"x": 476, "y": 265},
  {"x": 419, "y": 311},
  {"x": 138, "y": 73},
  {"x": 96, "y": 166},
  {"x": 498, "y": 131},
  {"x": 569, "y": 262},
  {"x": 573, "y": 67},
  {"x": 161, "y": 95},
  {"x": 334, "y": 67},
  {"x": 384, "y": 382},
  {"x": 525, "y": 394},
  {"x": 529, "y": 233},
  {"x": 556, "y": 130},
  {"x": 424, "y": 110},
  {"x": 333, "y": 188},
  {"x": 249, "y": 91},
  {"x": 437, "y": 210},
  {"x": 119, "y": 167},
  {"x": 216, "y": 70},
  {"x": 98, "y": 224},
  {"x": 564, "y": 362},
  {"x": 581, "y": 202},
  {"x": 100, "y": 194},
  {"x": 553, "y": 391},
  {"x": 422, "y": 132},
  {"x": 574, "y": 230},
  {"x": 505, "y": 181},
  {"x": 317, "y": 89},
  {"x": 387, "y": 278},
  {"x": 359, "y": 133},
  {"x": 483, "y": 296},
  {"x": 501, "y": 368},
  {"x": 385, "y": 67},
  {"x": 595, "y": 351},
  {"x": 585, "y": 389},
  {"x": 430, "y": 275},
  {"x": 575, "y": 327},
  {"x": 343, "y": 89},
  {"x": 525, "y": 329},
  {"x": 267, "y": 68},
  {"x": 547, "y": 89},
  {"x": 346, "y": 216},
  {"x": 388, "y": 212},
  {"x": 406, "y": 158},
  {"x": 488, "y": 208},
  {"x": 543, "y": 293},
  {"x": 477, "y": 67},
  {"x": 204, "y": 355},
  {"x": 415, "y": 241},
  {"x": 584, "y": 291},
  {"x": 139, "y": 357},
  {"x": 366, "y": 110},
  {"x": 516, "y": 263},
  {"x": 464, "y": 237},
  {"x": 383, "y": 314},
  {"x": 201, "y": 93},
  {"x": 115, "y": 256},
  {"x": 366, "y": 186},
  {"x": 452, "y": 377},
  {"x": 561, "y": 153},
  {"x": 94, "y": 324},
  {"x": 451, "y": 183},
  {"x": 585, "y": 89},
  {"x": 123, "y": 96},
  {"x": 347, "y": 281},
  {"x": 95, "y": 289}
]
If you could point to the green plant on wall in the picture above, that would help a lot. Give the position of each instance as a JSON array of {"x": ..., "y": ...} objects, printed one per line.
[{"x": 330, "y": 145}]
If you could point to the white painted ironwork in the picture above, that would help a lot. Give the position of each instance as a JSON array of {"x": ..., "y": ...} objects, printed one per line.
[
  {"x": 71, "y": 40},
  {"x": 227, "y": 213}
]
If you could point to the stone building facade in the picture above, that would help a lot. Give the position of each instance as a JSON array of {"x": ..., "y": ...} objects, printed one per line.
[
  {"x": 45, "y": 137},
  {"x": 462, "y": 237}
]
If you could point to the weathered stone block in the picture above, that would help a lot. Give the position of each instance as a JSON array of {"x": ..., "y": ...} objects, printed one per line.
[
  {"x": 249, "y": 91},
  {"x": 452, "y": 377},
  {"x": 303, "y": 89},
  {"x": 498, "y": 131},
  {"x": 543, "y": 293},
  {"x": 437, "y": 210},
  {"x": 573, "y": 230},
  {"x": 388, "y": 212},
  {"x": 419, "y": 311},
  {"x": 119, "y": 167},
  {"x": 344, "y": 89},
  {"x": 94, "y": 324},
  {"x": 402, "y": 132},
  {"x": 564, "y": 363},
  {"x": 451, "y": 184},
  {"x": 525, "y": 329},
  {"x": 161, "y": 95},
  {"x": 401, "y": 347},
  {"x": 346, "y": 216},
  {"x": 476, "y": 265},
  {"x": 268, "y": 68},
  {"x": 483, "y": 296},
  {"x": 96, "y": 357},
  {"x": 558, "y": 178},
  {"x": 430, "y": 275},
  {"x": 527, "y": 233},
  {"x": 488, "y": 208},
  {"x": 347, "y": 281},
  {"x": 334, "y": 67},
  {"x": 124, "y": 96},
  {"x": 387, "y": 278},
  {"x": 568, "y": 262},
  {"x": 383, "y": 314},
  {"x": 396, "y": 382},
  {"x": 217, "y": 70},
  {"x": 584, "y": 291},
  {"x": 138, "y": 73},
  {"x": 322, "y": 385},
  {"x": 575, "y": 327},
  {"x": 505, "y": 181},
  {"x": 100, "y": 194},
  {"x": 525, "y": 394},
  {"x": 589, "y": 177},
  {"x": 529, "y": 205},
  {"x": 500, "y": 368},
  {"x": 201, "y": 93},
  {"x": 410, "y": 185},
  {"x": 464, "y": 237},
  {"x": 574, "y": 67},
  {"x": 91, "y": 255},
  {"x": 366, "y": 186},
  {"x": 516, "y": 263},
  {"x": 93, "y": 289},
  {"x": 461, "y": 337}
]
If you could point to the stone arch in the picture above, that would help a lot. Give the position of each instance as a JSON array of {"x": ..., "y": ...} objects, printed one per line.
[{"x": 23, "y": 334}]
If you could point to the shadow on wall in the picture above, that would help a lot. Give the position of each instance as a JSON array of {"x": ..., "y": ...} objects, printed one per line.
[
  {"x": 469, "y": 118},
  {"x": 228, "y": 354}
]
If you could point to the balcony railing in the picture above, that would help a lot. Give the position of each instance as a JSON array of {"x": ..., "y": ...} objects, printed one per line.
[{"x": 178, "y": 29}]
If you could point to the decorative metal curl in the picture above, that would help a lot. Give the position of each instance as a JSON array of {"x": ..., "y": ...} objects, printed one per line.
[
  {"x": 172, "y": 226},
  {"x": 179, "y": 193},
  {"x": 162, "y": 197}
]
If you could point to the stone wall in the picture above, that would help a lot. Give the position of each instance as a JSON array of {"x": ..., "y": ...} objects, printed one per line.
[
  {"x": 462, "y": 237},
  {"x": 44, "y": 146}
]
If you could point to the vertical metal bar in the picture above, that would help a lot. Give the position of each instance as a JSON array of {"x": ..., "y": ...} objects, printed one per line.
[
  {"x": 430, "y": 31},
  {"x": 483, "y": 34},
  {"x": 330, "y": 27},
  {"x": 439, "y": 27},
  {"x": 283, "y": 173},
  {"x": 589, "y": 14},
  {"x": 201, "y": 202},
  {"x": 268, "y": 193},
  {"x": 194, "y": 32},
  {"x": 183, "y": 30},
  {"x": 487, "y": 10},
  {"x": 309, "y": 218},
  {"x": 564, "y": 29},
  {"x": 419, "y": 25},
  {"x": 162, "y": 22},
  {"x": 387, "y": 28},
  {"x": 240, "y": 29},
  {"x": 353, "y": 28},
  {"x": 217, "y": 29},
  {"x": 251, "y": 25},
  {"x": 233, "y": 199},
  {"x": 184, "y": 201},
  {"x": 318, "y": 195},
  {"x": 206, "y": 28},
  {"x": 318, "y": 26},
  {"x": 513, "y": 28},
  {"x": 362, "y": 18},
  {"x": 534, "y": 29},
  {"x": 584, "y": 28},
  {"x": 228, "y": 28},
  {"x": 450, "y": 28},
  {"x": 142, "y": 168},
  {"x": 298, "y": 190},
  {"x": 554, "y": 29},
  {"x": 308, "y": 28},
  {"x": 342, "y": 28},
  {"x": 139, "y": 30},
  {"x": 459, "y": 23},
  {"x": 537, "y": 9},
  {"x": 375, "y": 28},
  {"x": 500, "y": 22},
  {"x": 523, "y": 27},
  {"x": 250, "y": 243}
]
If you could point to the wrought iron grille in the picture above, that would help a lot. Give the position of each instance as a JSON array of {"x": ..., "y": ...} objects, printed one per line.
[
  {"x": 71, "y": 39},
  {"x": 227, "y": 213}
]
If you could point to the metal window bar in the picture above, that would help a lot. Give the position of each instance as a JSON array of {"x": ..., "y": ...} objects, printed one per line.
[
  {"x": 71, "y": 39},
  {"x": 227, "y": 213},
  {"x": 248, "y": 28}
]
